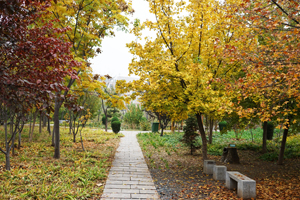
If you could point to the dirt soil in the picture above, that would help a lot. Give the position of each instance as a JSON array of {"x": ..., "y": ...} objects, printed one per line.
[{"x": 180, "y": 176}]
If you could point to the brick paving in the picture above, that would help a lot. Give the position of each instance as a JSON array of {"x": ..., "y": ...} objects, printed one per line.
[{"x": 129, "y": 177}]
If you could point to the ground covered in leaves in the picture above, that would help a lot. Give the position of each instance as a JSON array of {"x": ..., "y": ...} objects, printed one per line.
[
  {"x": 77, "y": 174},
  {"x": 179, "y": 175}
]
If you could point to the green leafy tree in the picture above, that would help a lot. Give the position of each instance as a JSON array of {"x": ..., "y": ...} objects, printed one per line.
[
  {"x": 190, "y": 132},
  {"x": 134, "y": 115}
]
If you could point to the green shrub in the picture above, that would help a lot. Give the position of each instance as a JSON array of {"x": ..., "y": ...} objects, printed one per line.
[
  {"x": 190, "y": 132},
  {"x": 144, "y": 124},
  {"x": 272, "y": 156},
  {"x": 249, "y": 146},
  {"x": 114, "y": 119},
  {"x": 103, "y": 120},
  {"x": 116, "y": 126},
  {"x": 222, "y": 126},
  {"x": 216, "y": 150}
]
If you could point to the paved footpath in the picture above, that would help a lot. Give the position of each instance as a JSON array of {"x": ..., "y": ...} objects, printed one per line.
[{"x": 129, "y": 177}]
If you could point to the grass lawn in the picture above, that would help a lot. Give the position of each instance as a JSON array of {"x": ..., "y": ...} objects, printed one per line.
[
  {"x": 178, "y": 175},
  {"x": 78, "y": 174}
]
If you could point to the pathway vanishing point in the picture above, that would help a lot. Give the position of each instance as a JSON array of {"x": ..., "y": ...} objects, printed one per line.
[{"x": 129, "y": 177}]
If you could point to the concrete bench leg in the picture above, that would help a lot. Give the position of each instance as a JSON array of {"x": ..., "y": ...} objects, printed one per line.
[
  {"x": 209, "y": 166},
  {"x": 230, "y": 183},
  {"x": 246, "y": 189},
  {"x": 219, "y": 172}
]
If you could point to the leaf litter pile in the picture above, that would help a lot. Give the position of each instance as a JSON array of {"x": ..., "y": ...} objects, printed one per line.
[
  {"x": 179, "y": 175},
  {"x": 78, "y": 174}
]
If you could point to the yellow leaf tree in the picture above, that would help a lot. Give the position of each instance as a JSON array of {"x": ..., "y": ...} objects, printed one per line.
[
  {"x": 181, "y": 70},
  {"x": 89, "y": 21}
]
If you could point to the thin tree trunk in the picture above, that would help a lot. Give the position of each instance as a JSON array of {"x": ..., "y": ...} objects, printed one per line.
[
  {"x": 105, "y": 113},
  {"x": 251, "y": 134},
  {"x": 7, "y": 161},
  {"x": 70, "y": 122},
  {"x": 173, "y": 128},
  {"x": 206, "y": 122},
  {"x": 29, "y": 126},
  {"x": 56, "y": 128},
  {"x": 282, "y": 148},
  {"x": 53, "y": 136},
  {"x": 81, "y": 141},
  {"x": 44, "y": 121},
  {"x": 19, "y": 140},
  {"x": 20, "y": 133},
  {"x": 181, "y": 125},
  {"x": 33, "y": 125},
  {"x": 211, "y": 126},
  {"x": 49, "y": 128},
  {"x": 13, "y": 138},
  {"x": 40, "y": 127},
  {"x": 73, "y": 131},
  {"x": 264, "y": 142},
  {"x": 203, "y": 137},
  {"x": 7, "y": 158},
  {"x": 162, "y": 131}
]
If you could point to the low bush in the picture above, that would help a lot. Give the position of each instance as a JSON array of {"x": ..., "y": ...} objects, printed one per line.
[
  {"x": 145, "y": 125},
  {"x": 222, "y": 126},
  {"x": 103, "y": 120},
  {"x": 114, "y": 119},
  {"x": 116, "y": 126},
  {"x": 271, "y": 156}
]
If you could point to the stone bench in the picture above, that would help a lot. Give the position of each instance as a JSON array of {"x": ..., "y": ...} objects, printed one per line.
[
  {"x": 246, "y": 187},
  {"x": 219, "y": 172},
  {"x": 208, "y": 166}
]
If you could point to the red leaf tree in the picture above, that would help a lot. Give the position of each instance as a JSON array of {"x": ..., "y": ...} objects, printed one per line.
[
  {"x": 272, "y": 72},
  {"x": 35, "y": 58}
]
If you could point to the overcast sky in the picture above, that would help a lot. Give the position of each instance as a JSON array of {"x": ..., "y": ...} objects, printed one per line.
[{"x": 115, "y": 56}]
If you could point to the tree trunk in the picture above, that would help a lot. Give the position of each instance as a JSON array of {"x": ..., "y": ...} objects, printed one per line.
[
  {"x": 49, "y": 128},
  {"x": 40, "y": 127},
  {"x": 162, "y": 131},
  {"x": 29, "y": 126},
  {"x": 70, "y": 122},
  {"x": 105, "y": 122},
  {"x": 211, "y": 126},
  {"x": 81, "y": 141},
  {"x": 203, "y": 137},
  {"x": 74, "y": 137},
  {"x": 105, "y": 113},
  {"x": 182, "y": 125},
  {"x": 7, "y": 161},
  {"x": 264, "y": 142},
  {"x": 173, "y": 128},
  {"x": 53, "y": 136},
  {"x": 19, "y": 140},
  {"x": 282, "y": 148},
  {"x": 251, "y": 134},
  {"x": 206, "y": 123},
  {"x": 13, "y": 138},
  {"x": 33, "y": 125},
  {"x": 44, "y": 121},
  {"x": 7, "y": 158},
  {"x": 56, "y": 128}
]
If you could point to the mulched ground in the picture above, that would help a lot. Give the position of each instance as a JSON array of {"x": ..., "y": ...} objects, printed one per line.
[{"x": 183, "y": 177}]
